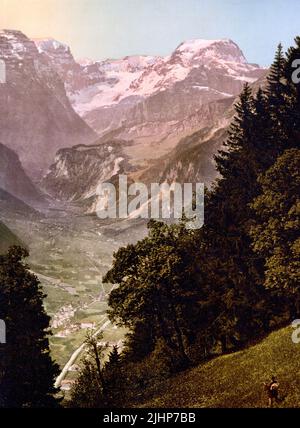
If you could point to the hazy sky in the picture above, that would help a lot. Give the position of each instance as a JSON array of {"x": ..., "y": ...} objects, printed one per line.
[{"x": 114, "y": 28}]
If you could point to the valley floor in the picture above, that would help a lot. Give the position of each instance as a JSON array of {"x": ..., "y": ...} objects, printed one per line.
[{"x": 70, "y": 253}]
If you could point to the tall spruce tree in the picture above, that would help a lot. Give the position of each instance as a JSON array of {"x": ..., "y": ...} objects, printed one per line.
[
  {"x": 276, "y": 87},
  {"x": 233, "y": 271},
  {"x": 278, "y": 101},
  {"x": 27, "y": 372}
]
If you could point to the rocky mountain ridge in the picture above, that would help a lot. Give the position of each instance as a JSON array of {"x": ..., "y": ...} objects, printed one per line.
[
  {"x": 36, "y": 115},
  {"x": 154, "y": 101}
]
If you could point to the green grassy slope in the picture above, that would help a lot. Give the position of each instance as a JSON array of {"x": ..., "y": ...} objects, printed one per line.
[
  {"x": 236, "y": 380},
  {"x": 7, "y": 238}
]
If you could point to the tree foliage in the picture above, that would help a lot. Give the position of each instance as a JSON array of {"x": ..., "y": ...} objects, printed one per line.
[
  {"x": 27, "y": 372},
  {"x": 276, "y": 234}
]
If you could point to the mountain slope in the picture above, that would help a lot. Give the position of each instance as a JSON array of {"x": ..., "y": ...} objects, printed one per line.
[
  {"x": 11, "y": 207},
  {"x": 36, "y": 116},
  {"x": 7, "y": 238},
  {"x": 236, "y": 380},
  {"x": 192, "y": 159},
  {"x": 13, "y": 178}
]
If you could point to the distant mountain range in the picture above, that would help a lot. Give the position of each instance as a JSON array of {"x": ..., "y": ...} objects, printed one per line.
[
  {"x": 153, "y": 101},
  {"x": 153, "y": 118}
]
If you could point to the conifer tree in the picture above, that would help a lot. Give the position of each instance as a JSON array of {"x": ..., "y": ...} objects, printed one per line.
[
  {"x": 27, "y": 372},
  {"x": 276, "y": 80},
  {"x": 233, "y": 270},
  {"x": 277, "y": 100},
  {"x": 114, "y": 357}
]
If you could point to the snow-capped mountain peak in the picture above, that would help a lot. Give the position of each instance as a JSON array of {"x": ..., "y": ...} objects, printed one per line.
[
  {"x": 15, "y": 46},
  {"x": 84, "y": 61},
  {"x": 206, "y": 50},
  {"x": 191, "y": 54},
  {"x": 50, "y": 44},
  {"x": 142, "y": 88},
  {"x": 60, "y": 57},
  {"x": 133, "y": 63}
]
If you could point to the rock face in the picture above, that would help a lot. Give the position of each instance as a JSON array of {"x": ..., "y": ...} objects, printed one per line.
[
  {"x": 191, "y": 160},
  {"x": 77, "y": 171},
  {"x": 36, "y": 116},
  {"x": 154, "y": 99},
  {"x": 15, "y": 208},
  {"x": 13, "y": 178}
]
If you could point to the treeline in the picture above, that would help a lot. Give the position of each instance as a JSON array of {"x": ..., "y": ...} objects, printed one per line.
[{"x": 188, "y": 295}]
